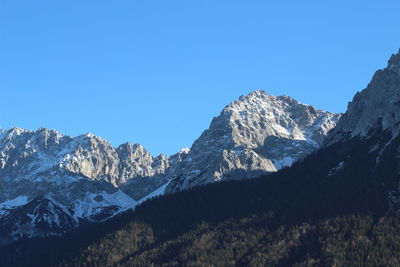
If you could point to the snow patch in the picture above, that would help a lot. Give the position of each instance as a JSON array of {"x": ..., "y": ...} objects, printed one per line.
[
  {"x": 185, "y": 150},
  {"x": 336, "y": 169},
  {"x": 158, "y": 192},
  {"x": 285, "y": 162},
  {"x": 12, "y": 203},
  {"x": 93, "y": 201}
]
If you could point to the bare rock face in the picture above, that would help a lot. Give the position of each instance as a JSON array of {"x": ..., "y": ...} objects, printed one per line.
[
  {"x": 24, "y": 154},
  {"x": 373, "y": 118},
  {"x": 161, "y": 169},
  {"x": 136, "y": 161},
  {"x": 92, "y": 157},
  {"x": 377, "y": 105},
  {"x": 77, "y": 179},
  {"x": 254, "y": 135}
]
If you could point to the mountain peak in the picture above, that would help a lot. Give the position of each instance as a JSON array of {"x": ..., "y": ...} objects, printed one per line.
[
  {"x": 258, "y": 133},
  {"x": 394, "y": 61},
  {"x": 89, "y": 135},
  {"x": 375, "y": 106},
  {"x": 16, "y": 130},
  {"x": 139, "y": 149},
  {"x": 12, "y": 133},
  {"x": 258, "y": 93},
  {"x": 48, "y": 132},
  {"x": 260, "y": 99}
]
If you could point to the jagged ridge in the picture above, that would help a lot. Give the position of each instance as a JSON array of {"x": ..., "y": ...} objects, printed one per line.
[
  {"x": 255, "y": 135},
  {"x": 87, "y": 178}
]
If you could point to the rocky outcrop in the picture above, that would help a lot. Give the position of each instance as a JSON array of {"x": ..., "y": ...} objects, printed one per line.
[
  {"x": 135, "y": 162},
  {"x": 164, "y": 169},
  {"x": 257, "y": 134},
  {"x": 77, "y": 178},
  {"x": 25, "y": 154},
  {"x": 376, "y": 106}
]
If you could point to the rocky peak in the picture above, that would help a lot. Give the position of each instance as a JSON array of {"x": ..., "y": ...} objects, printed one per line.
[
  {"x": 46, "y": 139},
  {"x": 134, "y": 152},
  {"x": 75, "y": 176},
  {"x": 136, "y": 161},
  {"x": 255, "y": 134},
  {"x": 376, "y": 106},
  {"x": 24, "y": 154},
  {"x": 394, "y": 62},
  {"x": 257, "y": 94},
  {"x": 125, "y": 148},
  {"x": 139, "y": 151},
  {"x": 10, "y": 134},
  {"x": 85, "y": 177},
  {"x": 254, "y": 117}
]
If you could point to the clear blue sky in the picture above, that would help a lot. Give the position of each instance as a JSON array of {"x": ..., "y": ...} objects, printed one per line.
[{"x": 156, "y": 72}]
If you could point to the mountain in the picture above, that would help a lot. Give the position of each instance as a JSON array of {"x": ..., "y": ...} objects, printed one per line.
[
  {"x": 135, "y": 162},
  {"x": 26, "y": 154},
  {"x": 141, "y": 186},
  {"x": 376, "y": 106},
  {"x": 254, "y": 135},
  {"x": 75, "y": 179},
  {"x": 338, "y": 206},
  {"x": 51, "y": 183}
]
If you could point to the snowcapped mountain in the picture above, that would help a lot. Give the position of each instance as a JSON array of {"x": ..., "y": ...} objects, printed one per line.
[
  {"x": 39, "y": 217},
  {"x": 355, "y": 174},
  {"x": 257, "y": 134},
  {"x": 75, "y": 179},
  {"x": 50, "y": 183},
  {"x": 26, "y": 154}
]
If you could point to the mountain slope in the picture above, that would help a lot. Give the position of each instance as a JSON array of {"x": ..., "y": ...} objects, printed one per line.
[
  {"x": 89, "y": 180},
  {"x": 75, "y": 178},
  {"x": 255, "y": 135},
  {"x": 376, "y": 106},
  {"x": 337, "y": 207},
  {"x": 304, "y": 215}
]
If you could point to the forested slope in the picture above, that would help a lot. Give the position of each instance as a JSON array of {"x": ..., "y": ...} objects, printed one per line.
[{"x": 333, "y": 208}]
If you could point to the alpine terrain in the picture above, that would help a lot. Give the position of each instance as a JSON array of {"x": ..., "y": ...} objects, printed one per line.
[
  {"x": 337, "y": 206},
  {"x": 255, "y": 135},
  {"x": 51, "y": 183}
]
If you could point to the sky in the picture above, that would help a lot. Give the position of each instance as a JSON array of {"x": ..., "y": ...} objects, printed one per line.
[{"x": 157, "y": 72}]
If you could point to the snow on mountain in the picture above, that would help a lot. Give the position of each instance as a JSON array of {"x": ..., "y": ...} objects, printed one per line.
[
  {"x": 140, "y": 187},
  {"x": 50, "y": 182},
  {"x": 257, "y": 134},
  {"x": 78, "y": 176},
  {"x": 40, "y": 217},
  {"x": 50, "y": 175},
  {"x": 25, "y": 154},
  {"x": 158, "y": 192},
  {"x": 12, "y": 203}
]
